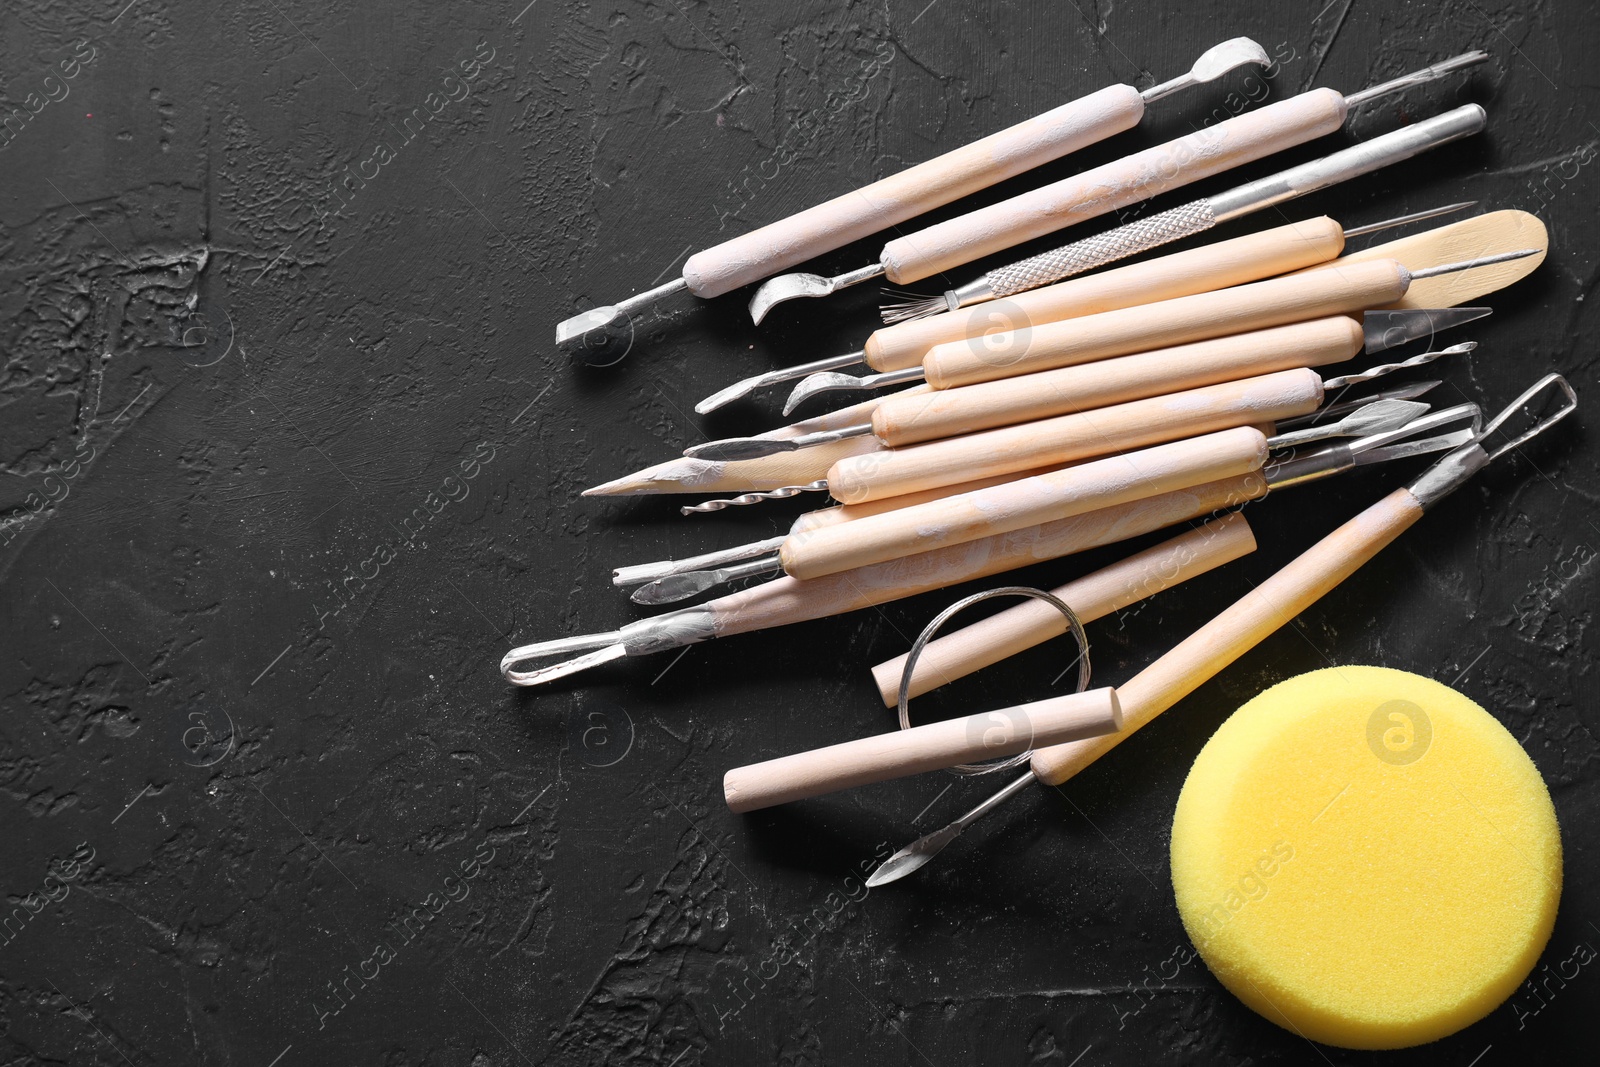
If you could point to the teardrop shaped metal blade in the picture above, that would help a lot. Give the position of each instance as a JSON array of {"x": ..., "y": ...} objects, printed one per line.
[
  {"x": 914, "y": 855},
  {"x": 1384, "y": 330},
  {"x": 734, "y": 448}
]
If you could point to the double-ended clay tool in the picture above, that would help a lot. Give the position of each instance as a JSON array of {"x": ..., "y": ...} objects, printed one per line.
[
  {"x": 1072, "y": 490},
  {"x": 892, "y": 200},
  {"x": 787, "y": 600},
  {"x": 1094, "y": 192},
  {"x": 1265, "y": 609},
  {"x": 1337, "y": 288}
]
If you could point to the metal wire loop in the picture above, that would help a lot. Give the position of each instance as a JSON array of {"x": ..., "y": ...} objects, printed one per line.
[{"x": 928, "y": 632}]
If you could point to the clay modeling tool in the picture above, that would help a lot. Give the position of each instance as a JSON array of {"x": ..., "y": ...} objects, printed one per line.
[
  {"x": 888, "y": 201},
  {"x": 895, "y": 533},
  {"x": 933, "y": 747},
  {"x": 1250, "y": 620},
  {"x": 1338, "y": 288},
  {"x": 1212, "y": 267},
  {"x": 1199, "y": 215},
  {"x": 1201, "y": 154},
  {"x": 640, "y": 573},
  {"x": 1219, "y": 265},
  {"x": 912, "y": 418}
]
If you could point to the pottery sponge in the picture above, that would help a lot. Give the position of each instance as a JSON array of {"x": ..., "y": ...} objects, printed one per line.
[{"x": 1367, "y": 858}]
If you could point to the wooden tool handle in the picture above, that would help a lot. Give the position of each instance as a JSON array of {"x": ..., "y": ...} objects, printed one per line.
[
  {"x": 1117, "y": 479},
  {"x": 987, "y": 735},
  {"x": 1484, "y": 235},
  {"x": 1114, "y": 185},
  {"x": 921, "y": 188},
  {"x": 1198, "y": 270},
  {"x": 959, "y": 653},
  {"x": 1064, "y": 438},
  {"x": 786, "y": 600},
  {"x": 907, "y": 420},
  {"x": 1275, "y": 302},
  {"x": 843, "y": 513},
  {"x": 1240, "y": 628}
]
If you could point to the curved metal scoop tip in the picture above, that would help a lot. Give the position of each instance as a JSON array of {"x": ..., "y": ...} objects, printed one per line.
[
  {"x": 1213, "y": 63},
  {"x": 826, "y": 382},
  {"x": 775, "y": 291}
]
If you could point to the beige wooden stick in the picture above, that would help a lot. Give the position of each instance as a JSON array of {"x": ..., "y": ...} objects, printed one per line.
[
  {"x": 1077, "y": 436},
  {"x": 1218, "y": 265},
  {"x": 990, "y": 734},
  {"x": 1231, "y": 143},
  {"x": 887, "y": 201},
  {"x": 999, "y": 509},
  {"x": 928, "y": 416},
  {"x": 988, "y": 641},
  {"x": 1239, "y": 628},
  {"x": 1488, "y": 234},
  {"x": 843, "y": 513},
  {"x": 1278, "y": 301},
  {"x": 786, "y": 600}
]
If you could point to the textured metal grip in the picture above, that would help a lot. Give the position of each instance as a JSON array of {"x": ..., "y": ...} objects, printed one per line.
[{"x": 1097, "y": 251}]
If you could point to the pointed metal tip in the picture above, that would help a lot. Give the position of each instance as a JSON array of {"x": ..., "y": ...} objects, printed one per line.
[
  {"x": 673, "y": 588},
  {"x": 737, "y": 448},
  {"x": 914, "y": 856}
]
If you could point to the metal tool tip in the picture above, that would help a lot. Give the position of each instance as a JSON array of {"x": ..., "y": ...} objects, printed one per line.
[
  {"x": 826, "y": 382},
  {"x": 1221, "y": 58},
  {"x": 775, "y": 291},
  {"x": 673, "y": 587},
  {"x": 914, "y": 856},
  {"x": 736, "y": 448},
  {"x": 723, "y": 397},
  {"x": 598, "y": 337}
]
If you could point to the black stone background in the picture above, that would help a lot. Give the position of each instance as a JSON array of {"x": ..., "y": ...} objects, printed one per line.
[{"x": 282, "y": 484}]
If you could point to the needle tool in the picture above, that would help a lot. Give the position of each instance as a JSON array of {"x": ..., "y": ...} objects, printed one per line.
[
  {"x": 1201, "y": 154},
  {"x": 1200, "y": 215},
  {"x": 896, "y": 533},
  {"x": 1337, "y": 288},
  {"x": 748, "y": 258},
  {"x": 1219, "y": 265},
  {"x": 912, "y": 418},
  {"x": 1250, "y": 620}
]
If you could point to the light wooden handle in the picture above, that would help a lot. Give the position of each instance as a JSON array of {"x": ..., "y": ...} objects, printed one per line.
[
  {"x": 1240, "y": 628},
  {"x": 1064, "y": 438},
  {"x": 987, "y": 735},
  {"x": 843, "y": 513},
  {"x": 911, "y": 192},
  {"x": 1275, "y": 302},
  {"x": 999, "y": 509},
  {"x": 1032, "y": 622},
  {"x": 1114, "y": 185},
  {"x": 907, "y": 420},
  {"x": 786, "y": 600},
  {"x": 1198, "y": 270}
]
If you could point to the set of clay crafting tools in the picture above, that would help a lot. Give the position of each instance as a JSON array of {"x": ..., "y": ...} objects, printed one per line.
[{"x": 1068, "y": 401}]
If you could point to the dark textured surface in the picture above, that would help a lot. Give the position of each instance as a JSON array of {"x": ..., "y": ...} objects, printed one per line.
[{"x": 288, "y": 464}]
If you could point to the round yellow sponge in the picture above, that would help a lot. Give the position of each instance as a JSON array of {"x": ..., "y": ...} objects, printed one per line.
[{"x": 1367, "y": 858}]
